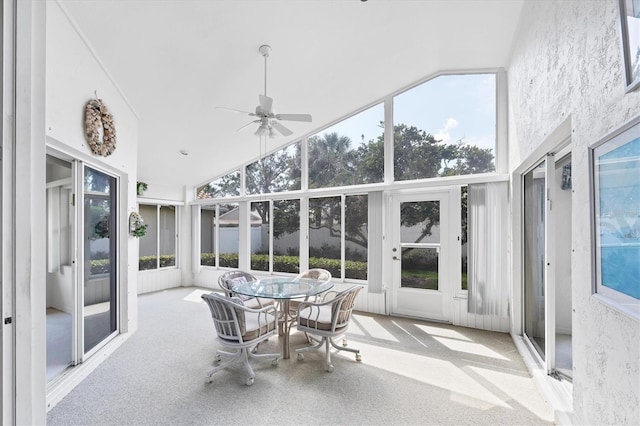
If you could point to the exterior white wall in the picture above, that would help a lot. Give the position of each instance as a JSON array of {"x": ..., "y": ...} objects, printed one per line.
[{"x": 567, "y": 62}]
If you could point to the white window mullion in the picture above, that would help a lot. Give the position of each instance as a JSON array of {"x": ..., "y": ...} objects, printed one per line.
[
  {"x": 157, "y": 231},
  {"x": 271, "y": 236},
  {"x": 217, "y": 235},
  {"x": 304, "y": 164},
  {"x": 304, "y": 233},
  {"x": 343, "y": 202},
  {"x": 388, "y": 140}
]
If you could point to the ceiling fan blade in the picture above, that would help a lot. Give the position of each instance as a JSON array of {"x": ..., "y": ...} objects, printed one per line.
[
  {"x": 280, "y": 128},
  {"x": 247, "y": 125},
  {"x": 237, "y": 110},
  {"x": 294, "y": 117},
  {"x": 266, "y": 103}
]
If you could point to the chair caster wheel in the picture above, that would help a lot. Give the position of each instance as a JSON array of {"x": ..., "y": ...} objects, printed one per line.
[
  {"x": 275, "y": 361},
  {"x": 208, "y": 379},
  {"x": 254, "y": 350},
  {"x": 300, "y": 357},
  {"x": 344, "y": 342},
  {"x": 358, "y": 357},
  {"x": 249, "y": 381},
  {"x": 329, "y": 368},
  {"x": 218, "y": 358}
]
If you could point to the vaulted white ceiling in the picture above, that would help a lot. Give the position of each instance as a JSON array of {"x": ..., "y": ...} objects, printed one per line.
[{"x": 176, "y": 61}]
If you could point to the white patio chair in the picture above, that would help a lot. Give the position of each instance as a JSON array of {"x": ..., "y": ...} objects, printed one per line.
[
  {"x": 227, "y": 280},
  {"x": 241, "y": 328},
  {"x": 329, "y": 319},
  {"x": 316, "y": 274}
]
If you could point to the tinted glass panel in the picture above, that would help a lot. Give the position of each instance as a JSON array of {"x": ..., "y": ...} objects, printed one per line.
[
  {"x": 167, "y": 231},
  {"x": 325, "y": 234},
  {"x": 260, "y": 236},
  {"x": 356, "y": 236},
  {"x": 148, "y": 244},
  {"x": 229, "y": 235},
  {"x": 286, "y": 236},
  {"x": 207, "y": 236}
]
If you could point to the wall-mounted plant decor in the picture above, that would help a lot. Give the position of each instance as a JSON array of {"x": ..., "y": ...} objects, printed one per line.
[
  {"x": 141, "y": 187},
  {"x": 101, "y": 132},
  {"x": 137, "y": 227}
]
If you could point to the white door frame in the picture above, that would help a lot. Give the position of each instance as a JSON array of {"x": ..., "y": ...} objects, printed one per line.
[
  {"x": 435, "y": 304},
  {"x": 558, "y": 141}
]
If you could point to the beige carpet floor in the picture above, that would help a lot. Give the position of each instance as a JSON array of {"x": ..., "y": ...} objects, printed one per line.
[{"x": 412, "y": 373}]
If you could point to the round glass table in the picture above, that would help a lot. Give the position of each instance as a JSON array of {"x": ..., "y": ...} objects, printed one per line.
[{"x": 283, "y": 289}]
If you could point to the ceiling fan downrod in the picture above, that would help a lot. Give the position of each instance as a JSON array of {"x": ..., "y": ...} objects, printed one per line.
[{"x": 264, "y": 50}]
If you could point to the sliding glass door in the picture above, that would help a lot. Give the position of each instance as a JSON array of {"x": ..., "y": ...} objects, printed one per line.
[
  {"x": 547, "y": 261},
  {"x": 534, "y": 256},
  {"x": 82, "y": 279},
  {"x": 100, "y": 261}
]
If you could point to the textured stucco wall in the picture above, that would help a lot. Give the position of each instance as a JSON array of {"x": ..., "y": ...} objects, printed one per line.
[{"x": 567, "y": 62}]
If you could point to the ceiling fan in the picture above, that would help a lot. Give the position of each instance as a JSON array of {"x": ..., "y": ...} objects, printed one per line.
[{"x": 269, "y": 121}]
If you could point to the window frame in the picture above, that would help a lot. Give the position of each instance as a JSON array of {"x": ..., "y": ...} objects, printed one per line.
[
  {"x": 158, "y": 204},
  {"x": 624, "y": 303}
]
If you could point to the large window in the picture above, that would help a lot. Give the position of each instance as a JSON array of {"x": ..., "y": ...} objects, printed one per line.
[
  {"x": 158, "y": 246},
  {"x": 277, "y": 172},
  {"x": 445, "y": 126},
  {"x": 350, "y": 152}
]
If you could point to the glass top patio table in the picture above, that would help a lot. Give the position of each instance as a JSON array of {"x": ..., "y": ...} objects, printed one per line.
[{"x": 283, "y": 289}]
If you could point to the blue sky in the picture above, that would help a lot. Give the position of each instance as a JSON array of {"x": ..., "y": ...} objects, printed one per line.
[{"x": 450, "y": 107}]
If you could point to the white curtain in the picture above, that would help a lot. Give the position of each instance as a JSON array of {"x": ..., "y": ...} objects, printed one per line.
[
  {"x": 195, "y": 238},
  {"x": 488, "y": 292},
  {"x": 374, "y": 273}
]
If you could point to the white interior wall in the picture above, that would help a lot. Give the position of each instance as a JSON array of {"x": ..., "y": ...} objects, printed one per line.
[
  {"x": 73, "y": 75},
  {"x": 567, "y": 62}
]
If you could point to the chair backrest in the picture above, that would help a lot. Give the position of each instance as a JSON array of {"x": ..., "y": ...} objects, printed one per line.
[
  {"x": 228, "y": 320},
  {"x": 343, "y": 305},
  {"x": 227, "y": 280},
  {"x": 316, "y": 274}
]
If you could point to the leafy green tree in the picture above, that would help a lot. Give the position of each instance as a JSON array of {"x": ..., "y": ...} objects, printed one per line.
[
  {"x": 277, "y": 172},
  {"x": 331, "y": 161}
]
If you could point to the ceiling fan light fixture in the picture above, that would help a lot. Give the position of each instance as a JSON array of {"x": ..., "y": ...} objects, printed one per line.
[{"x": 262, "y": 130}]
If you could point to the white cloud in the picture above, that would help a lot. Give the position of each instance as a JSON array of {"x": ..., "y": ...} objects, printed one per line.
[{"x": 443, "y": 134}]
